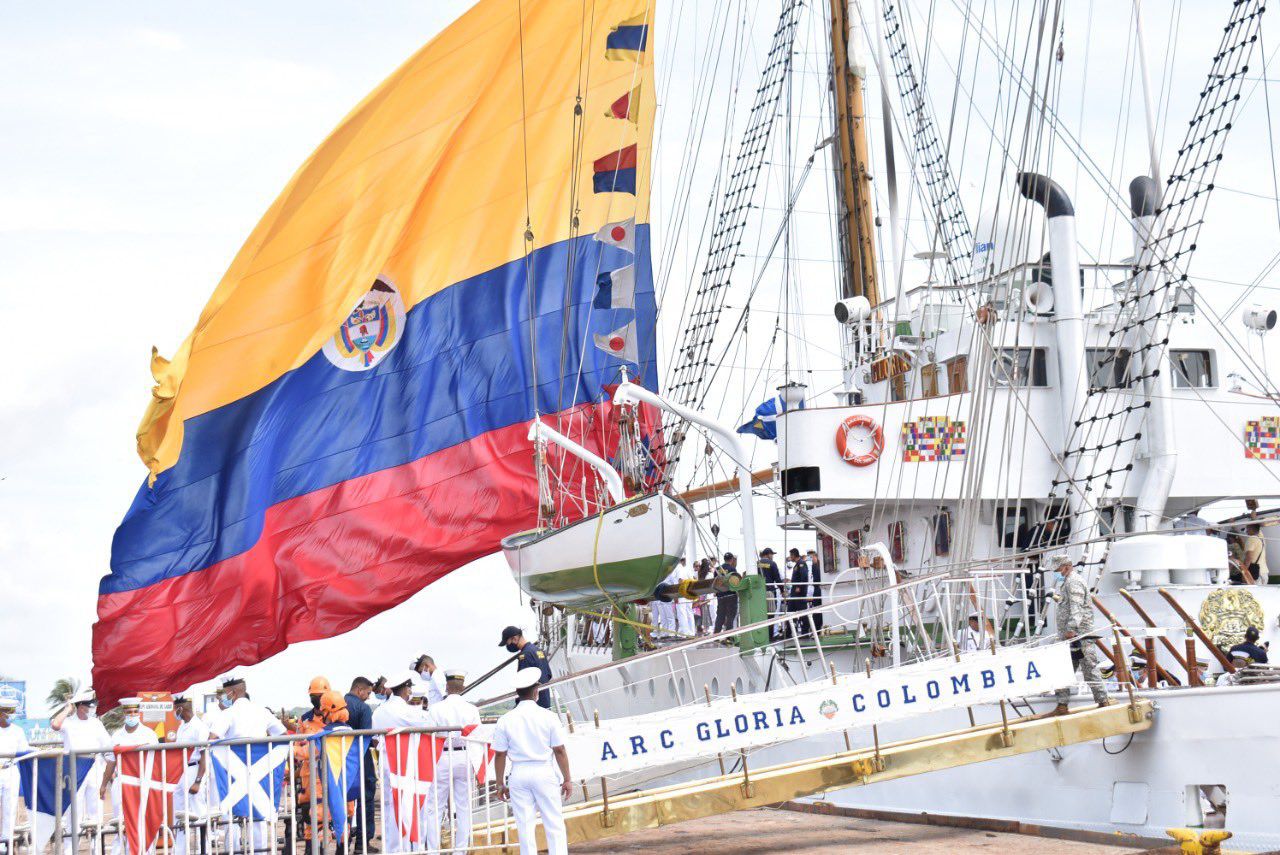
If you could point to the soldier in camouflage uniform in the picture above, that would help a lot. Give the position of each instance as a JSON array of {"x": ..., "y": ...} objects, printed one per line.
[{"x": 1075, "y": 622}]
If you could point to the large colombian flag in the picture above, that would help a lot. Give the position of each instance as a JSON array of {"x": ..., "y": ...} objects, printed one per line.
[{"x": 347, "y": 421}]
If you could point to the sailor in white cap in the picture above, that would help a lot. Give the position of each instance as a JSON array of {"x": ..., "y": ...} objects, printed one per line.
[
  {"x": 394, "y": 713},
  {"x": 83, "y": 731},
  {"x": 529, "y": 737},
  {"x": 243, "y": 718},
  {"x": 132, "y": 734},
  {"x": 191, "y": 798},
  {"x": 972, "y": 638},
  {"x": 455, "y": 773},
  {"x": 13, "y": 743}
]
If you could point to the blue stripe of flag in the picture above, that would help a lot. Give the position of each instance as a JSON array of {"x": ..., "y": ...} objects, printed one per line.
[
  {"x": 628, "y": 38},
  {"x": 621, "y": 181}
]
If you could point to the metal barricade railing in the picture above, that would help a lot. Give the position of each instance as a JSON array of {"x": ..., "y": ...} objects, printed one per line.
[{"x": 418, "y": 790}]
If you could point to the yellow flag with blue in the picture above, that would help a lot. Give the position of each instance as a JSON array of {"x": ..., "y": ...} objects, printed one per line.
[{"x": 348, "y": 420}]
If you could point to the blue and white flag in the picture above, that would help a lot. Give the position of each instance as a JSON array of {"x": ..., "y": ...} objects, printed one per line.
[
  {"x": 38, "y": 781},
  {"x": 616, "y": 289},
  {"x": 765, "y": 423},
  {"x": 250, "y": 778}
]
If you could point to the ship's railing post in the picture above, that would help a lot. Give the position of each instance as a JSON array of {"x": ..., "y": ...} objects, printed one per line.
[
  {"x": 875, "y": 731},
  {"x": 848, "y": 746},
  {"x": 606, "y": 819}
]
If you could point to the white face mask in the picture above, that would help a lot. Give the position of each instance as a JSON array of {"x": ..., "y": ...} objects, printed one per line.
[{"x": 131, "y": 721}]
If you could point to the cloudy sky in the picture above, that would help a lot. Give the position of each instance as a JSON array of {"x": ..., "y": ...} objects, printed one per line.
[{"x": 140, "y": 142}]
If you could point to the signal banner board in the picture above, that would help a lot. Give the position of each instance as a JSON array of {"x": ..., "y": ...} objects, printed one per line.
[{"x": 701, "y": 731}]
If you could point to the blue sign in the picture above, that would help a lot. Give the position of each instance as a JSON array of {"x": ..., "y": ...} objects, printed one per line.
[{"x": 16, "y": 691}]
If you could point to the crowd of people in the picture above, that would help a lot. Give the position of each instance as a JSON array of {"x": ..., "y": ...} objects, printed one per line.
[
  {"x": 794, "y": 587},
  {"x": 527, "y": 743}
]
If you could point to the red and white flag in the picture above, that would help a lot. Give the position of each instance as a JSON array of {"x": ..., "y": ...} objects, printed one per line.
[
  {"x": 621, "y": 343},
  {"x": 620, "y": 234},
  {"x": 147, "y": 782},
  {"x": 411, "y": 763},
  {"x": 479, "y": 751}
]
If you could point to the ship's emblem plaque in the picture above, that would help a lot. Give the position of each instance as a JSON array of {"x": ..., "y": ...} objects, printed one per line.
[{"x": 1227, "y": 613}]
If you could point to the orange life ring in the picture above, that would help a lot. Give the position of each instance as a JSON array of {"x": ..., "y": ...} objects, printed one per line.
[{"x": 876, "y": 434}]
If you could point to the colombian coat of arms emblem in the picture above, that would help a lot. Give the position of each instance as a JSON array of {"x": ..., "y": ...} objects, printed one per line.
[{"x": 371, "y": 330}]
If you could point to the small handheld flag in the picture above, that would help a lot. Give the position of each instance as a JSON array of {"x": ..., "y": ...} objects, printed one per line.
[
  {"x": 621, "y": 343},
  {"x": 765, "y": 423},
  {"x": 616, "y": 289},
  {"x": 621, "y": 234}
]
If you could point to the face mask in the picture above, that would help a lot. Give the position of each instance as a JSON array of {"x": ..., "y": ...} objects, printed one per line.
[
  {"x": 382, "y": 698},
  {"x": 131, "y": 720},
  {"x": 512, "y": 648},
  {"x": 1058, "y": 578},
  {"x": 91, "y": 710},
  {"x": 225, "y": 702}
]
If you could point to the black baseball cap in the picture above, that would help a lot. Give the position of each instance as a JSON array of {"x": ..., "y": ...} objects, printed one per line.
[
  {"x": 729, "y": 556},
  {"x": 766, "y": 551},
  {"x": 510, "y": 633},
  {"x": 795, "y": 553}
]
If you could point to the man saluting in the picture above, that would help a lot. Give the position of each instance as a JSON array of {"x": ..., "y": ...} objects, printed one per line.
[{"x": 531, "y": 656}]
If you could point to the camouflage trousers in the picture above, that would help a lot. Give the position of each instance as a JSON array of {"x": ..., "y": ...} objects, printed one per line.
[{"x": 1084, "y": 655}]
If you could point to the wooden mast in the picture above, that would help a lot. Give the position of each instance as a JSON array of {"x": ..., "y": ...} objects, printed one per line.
[{"x": 853, "y": 174}]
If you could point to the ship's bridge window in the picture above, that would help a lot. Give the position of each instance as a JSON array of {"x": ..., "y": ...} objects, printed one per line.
[
  {"x": 1192, "y": 369},
  {"x": 1020, "y": 366},
  {"x": 957, "y": 375},
  {"x": 1108, "y": 367},
  {"x": 1009, "y": 521}
]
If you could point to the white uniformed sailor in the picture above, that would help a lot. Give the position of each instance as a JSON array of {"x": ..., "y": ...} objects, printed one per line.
[
  {"x": 13, "y": 743},
  {"x": 454, "y": 775},
  {"x": 529, "y": 737},
  {"x": 242, "y": 718},
  {"x": 132, "y": 734},
  {"x": 192, "y": 800},
  {"x": 972, "y": 638},
  {"x": 395, "y": 713},
  {"x": 82, "y": 731}
]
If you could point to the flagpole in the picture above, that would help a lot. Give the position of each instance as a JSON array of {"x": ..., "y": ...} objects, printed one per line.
[{"x": 75, "y": 789}]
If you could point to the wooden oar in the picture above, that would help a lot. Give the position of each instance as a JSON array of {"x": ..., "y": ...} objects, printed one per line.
[
  {"x": 1223, "y": 659},
  {"x": 1138, "y": 648},
  {"x": 1142, "y": 613}
]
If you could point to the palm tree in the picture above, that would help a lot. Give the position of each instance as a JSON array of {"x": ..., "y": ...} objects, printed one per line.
[{"x": 62, "y": 691}]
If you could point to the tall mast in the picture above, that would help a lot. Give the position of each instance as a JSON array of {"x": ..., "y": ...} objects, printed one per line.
[{"x": 853, "y": 173}]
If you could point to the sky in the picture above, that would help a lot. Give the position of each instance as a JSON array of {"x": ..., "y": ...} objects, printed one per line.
[{"x": 140, "y": 142}]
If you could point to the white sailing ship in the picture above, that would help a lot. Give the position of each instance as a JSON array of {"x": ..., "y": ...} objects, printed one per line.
[{"x": 1019, "y": 402}]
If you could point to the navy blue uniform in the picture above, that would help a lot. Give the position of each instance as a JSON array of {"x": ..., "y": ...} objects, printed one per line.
[
  {"x": 360, "y": 717},
  {"x": 1253, "y": 651},
  {"x": 531, "y": 656}
]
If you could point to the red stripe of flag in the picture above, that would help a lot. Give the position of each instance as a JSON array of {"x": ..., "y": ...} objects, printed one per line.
[{"x": 616, "y": 160}]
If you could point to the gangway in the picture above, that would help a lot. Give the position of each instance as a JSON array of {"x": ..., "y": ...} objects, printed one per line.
[{"x": 752, "y": 788}]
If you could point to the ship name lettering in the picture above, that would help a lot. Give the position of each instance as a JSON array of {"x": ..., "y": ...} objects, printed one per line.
[
  {"x": 607, "y": 752},
  {"x": 882, "y": 697},
  {"x": 1032, "y": 671},
  {"x": 858, "y": 705},
  {"x": 988, "y": 678},
  {"x": 933, "y": 689},
  {"x": 761, "y": 719},
  {"x": 665, "y": 738},
  {"x": 907, "y": 697},
  {"x": 637, "y": 746},
  {"x": 796, "y": 717},
  {"x": 960, "y": 682}
]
